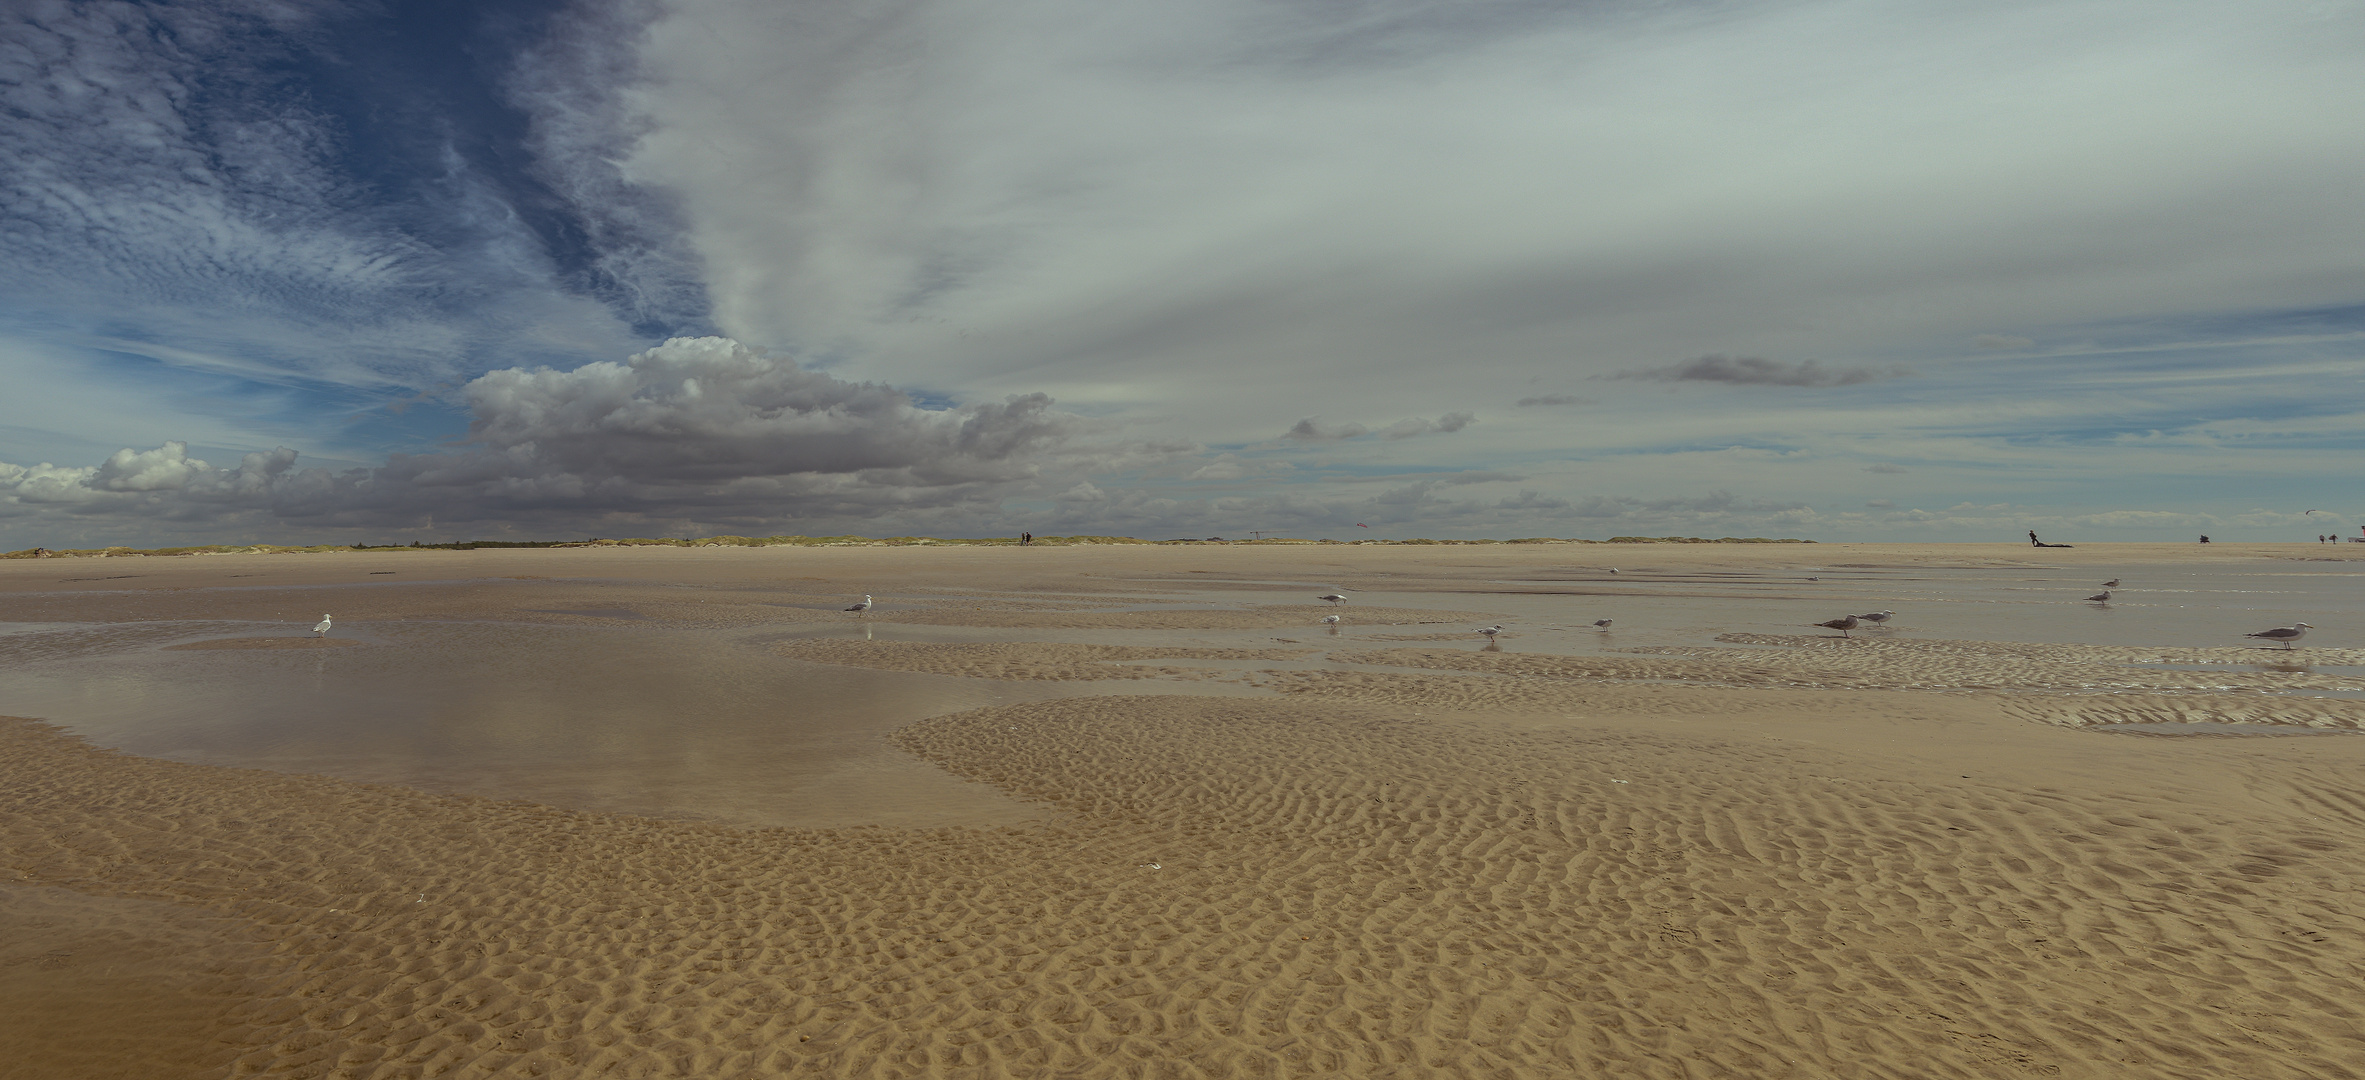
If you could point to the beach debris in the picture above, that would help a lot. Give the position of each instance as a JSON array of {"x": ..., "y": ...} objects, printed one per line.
[
  {"x": 864, "y": 605},
  {"x": 1843, "y": 624},
  {"x": 321, "y": 627},
  {"x": 2102, "y": 597},
  {"x": 1152, "y": 866},
  {"x": 2284, "y": 634},
  {"x": 1334, "y": 598}
]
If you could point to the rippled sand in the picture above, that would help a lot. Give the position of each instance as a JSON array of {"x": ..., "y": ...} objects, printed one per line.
[{"x": 1776, "y": 855}]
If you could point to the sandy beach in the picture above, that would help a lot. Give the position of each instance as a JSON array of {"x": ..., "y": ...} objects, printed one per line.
[{"x": 1135, "y": 812}]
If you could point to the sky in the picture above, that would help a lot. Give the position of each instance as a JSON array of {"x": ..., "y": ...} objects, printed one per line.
[{"x": 343, "y": 271}]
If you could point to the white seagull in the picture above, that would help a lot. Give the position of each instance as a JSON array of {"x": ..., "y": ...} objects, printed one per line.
[
  {"x": 2284, "y": 634},
  {"x": 1601, "y": 624},
  {"x": 1330, "y": 620},
  {"x": 864, "y": 605},
  {"x": 321, "y": 627},
  {"x": 1876, "y": 617},
  {"x": 1843, "y": 625},
  {"x": 1490, "y": 631},
  {"x": 1332, "y": 597},
  {"x": 2102, "y": 597},
  {"x": 2111, "y": 584}
]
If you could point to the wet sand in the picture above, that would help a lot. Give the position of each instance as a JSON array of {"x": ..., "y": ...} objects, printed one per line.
[{"x": 1230, "y": 843}]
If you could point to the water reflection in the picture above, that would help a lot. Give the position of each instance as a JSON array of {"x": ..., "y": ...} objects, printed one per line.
[{"x": 669, "y": 723}]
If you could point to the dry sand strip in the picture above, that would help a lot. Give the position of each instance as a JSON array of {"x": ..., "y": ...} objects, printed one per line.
[
  {"x": 1903, "y": 665},
  {"x": 1028, "y": 659},
  {"x": 1254, "y": 618},
  {"x": 1245, "y": 888}
]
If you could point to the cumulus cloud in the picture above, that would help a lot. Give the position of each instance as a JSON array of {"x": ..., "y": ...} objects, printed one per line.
[
  {"x": 1759, "y": 371},
  {"x": 700, "y": 429}
]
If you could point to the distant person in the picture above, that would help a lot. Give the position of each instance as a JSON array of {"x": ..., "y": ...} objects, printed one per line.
[
  {"x": 1025, "y": 538},
  {"x": 2204, "y": 538},
  {"x": 2032, "y": 539}
]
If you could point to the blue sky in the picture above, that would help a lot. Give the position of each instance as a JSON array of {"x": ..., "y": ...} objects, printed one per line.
[{"x": 1838, "y": 270}]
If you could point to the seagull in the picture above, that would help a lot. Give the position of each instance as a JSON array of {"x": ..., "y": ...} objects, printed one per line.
[
  {"x": 1330, "y": 620},
  {"x": 1601, "y": 624},
  {"x": 1876, "y": 617},
  {"x": 321, "y": 627},
  {"x": 2284, "y": 634},
  {"x": 2102, "y": 597},
  {"x": 864, "y": 605},
  {"x": 1334, "y": 598},
  {"x": 1842, "y": 625},
  {"x": 2111, "y": 584},
  {"x": 1490, "y": 631},
  {"x": 1613, "y": 569}
]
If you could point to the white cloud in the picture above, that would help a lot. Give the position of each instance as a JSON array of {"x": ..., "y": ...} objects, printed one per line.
[{"x": 1149, "y": 207}]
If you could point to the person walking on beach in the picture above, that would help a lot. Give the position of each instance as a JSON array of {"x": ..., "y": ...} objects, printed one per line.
[
  {"x": 1025, "y": 538},
  {"x": 2032, "y": 539}
]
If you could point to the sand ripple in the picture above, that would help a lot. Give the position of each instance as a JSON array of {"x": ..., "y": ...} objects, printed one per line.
[
  {"x": 1256, "y": 888},
  {"x": 1872, "y": 663}
]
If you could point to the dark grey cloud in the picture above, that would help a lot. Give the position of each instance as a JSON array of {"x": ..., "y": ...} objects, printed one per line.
[
  {"x": 1447, "y": 424},
  {"x": 1312, "y": 429},
  {"x": 699, "y": 429},
  {"x": 1759, "y": 371}
]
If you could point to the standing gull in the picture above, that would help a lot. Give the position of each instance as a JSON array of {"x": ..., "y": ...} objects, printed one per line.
[
  {"x": 1876, "y": 617},
  {"x": 1601, "y": 624},
  {"x": 2284, "y": 634},
  {"x": 1334, "y": 598},
  {"x": 2111, "y": 584},
  {"x": 1330, "y": 620},
  {"x": 2102, "y": 597},
  {"x": 1490, "y": 631},
  {"x": 321, "y": 627},
  {"x": 1843, "y": 625},
  {"x": 864, "y": 605}
]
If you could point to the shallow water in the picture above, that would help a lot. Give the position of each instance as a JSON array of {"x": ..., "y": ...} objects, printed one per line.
[
  {"x": 676, "y": 723},
  {"x": 2210, "y": 607},
  {"x": 633, "y": 716}
]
